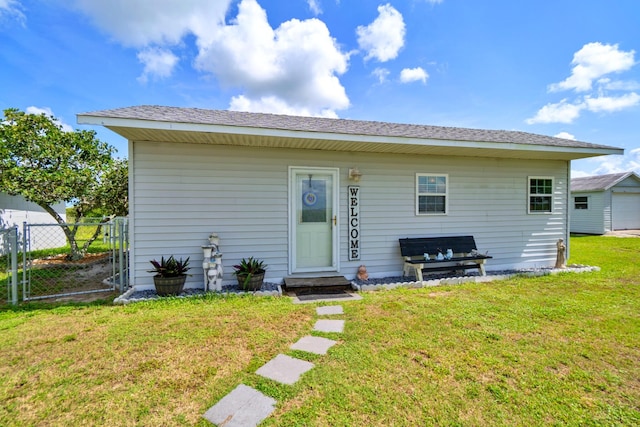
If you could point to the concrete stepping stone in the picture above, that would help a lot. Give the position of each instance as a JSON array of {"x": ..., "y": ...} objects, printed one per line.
[
  {"x": 324, "y": 325},
  {"x": 329, "y": 310},
  {"x": 284, "y": 369},
  {"x": 316, "y": 345},
  {"x": 243, "y": 407}
]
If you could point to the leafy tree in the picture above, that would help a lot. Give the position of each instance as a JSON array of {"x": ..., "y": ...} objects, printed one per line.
[
  {"x": 46, "y": 165},
  {"x": 110, "y": 197}
]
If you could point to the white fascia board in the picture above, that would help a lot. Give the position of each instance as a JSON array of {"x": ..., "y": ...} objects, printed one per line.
[{"x": 296, "y": 134}]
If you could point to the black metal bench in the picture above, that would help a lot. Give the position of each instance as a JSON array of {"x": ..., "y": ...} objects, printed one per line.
[{"x": 464, "y": 254}]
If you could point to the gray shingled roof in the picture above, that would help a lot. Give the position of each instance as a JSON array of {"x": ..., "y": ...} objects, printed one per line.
[
  {"x": 334, "y": 126},
  {"x": 599, "y": 182}
]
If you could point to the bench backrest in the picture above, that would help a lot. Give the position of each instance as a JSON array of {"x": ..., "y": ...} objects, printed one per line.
[{"x": 431, "y": 245}]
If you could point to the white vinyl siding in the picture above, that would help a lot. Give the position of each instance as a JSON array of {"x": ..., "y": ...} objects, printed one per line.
[
  {"x": 183, "y": 192},
  {"x": 609, "y": 209},
  {"x": 591, "y": 220}
]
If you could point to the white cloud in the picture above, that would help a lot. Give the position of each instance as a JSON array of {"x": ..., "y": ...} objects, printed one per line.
[
  {"x": 381, "y": 74},
  {"x": 561, "y": 112},
  {"x": 608, "y": 84},
  {"x": 12, "y": 9},
  {"x": 314, "y": 6},
  {"x": 140, "y": 23},
  {"x": 593, "y": 61},
  {"x": 579, "y": 174},
  {"x": 566, "y": 112},
  {"x": 297, "y": 63},
  {"x": 630, "y": 161},
  {"x": 565, "y": 135},
  {"x": 49, "y": 113},
  {"x": 603, "y": 165},
  {"x": 409, "y": 75},
  {"x": 275, "y": 105},
  {"x": 384, "y": 37},
  {"x": 610, "y": 104},
  {"x": 158, "y": 63}
]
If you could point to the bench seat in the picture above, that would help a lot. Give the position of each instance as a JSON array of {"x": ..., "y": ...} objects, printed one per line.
[{"x": 465, "y": 254}]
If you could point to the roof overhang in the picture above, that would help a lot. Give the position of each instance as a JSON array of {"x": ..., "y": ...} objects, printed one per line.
[{"x": 163, "y": 131}]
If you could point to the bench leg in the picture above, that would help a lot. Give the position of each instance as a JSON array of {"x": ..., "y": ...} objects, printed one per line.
[
  {"x": 481, "y": 266},
  {"x": 417, "y": 270},
  {"x": 405, "y": 269},
  {"x": 419, "y": 273}
]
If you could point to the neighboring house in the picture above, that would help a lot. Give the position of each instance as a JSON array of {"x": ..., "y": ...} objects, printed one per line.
[
  {"x": 15, "y": 211},
  {"x": 316, "y": 196},
  {"x": 604, "y": 203}
]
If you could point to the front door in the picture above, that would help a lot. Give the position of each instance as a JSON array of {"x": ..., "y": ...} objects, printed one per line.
[{"x": 313, "y": 220}]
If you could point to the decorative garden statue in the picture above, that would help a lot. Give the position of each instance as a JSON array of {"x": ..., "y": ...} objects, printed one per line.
[
  {"x": 560, "y": 258},
  {"x": 362, "y": 273}
]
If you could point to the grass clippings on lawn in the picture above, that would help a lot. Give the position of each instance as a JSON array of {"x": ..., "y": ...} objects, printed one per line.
[{"x": 554, "y": 350}]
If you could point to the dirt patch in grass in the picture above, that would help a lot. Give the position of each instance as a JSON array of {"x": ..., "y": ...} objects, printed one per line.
[
  {"x": 62, "y": 260},
  {"x": 57, "y": 275},
  {"x": 440, "y": 294}
]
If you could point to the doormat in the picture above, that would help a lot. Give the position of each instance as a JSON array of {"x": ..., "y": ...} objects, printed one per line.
[{"x": 312, "y": 282}]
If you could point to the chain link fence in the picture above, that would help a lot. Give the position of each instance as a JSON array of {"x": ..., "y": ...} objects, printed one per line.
[{"x": 50, "y": 264}]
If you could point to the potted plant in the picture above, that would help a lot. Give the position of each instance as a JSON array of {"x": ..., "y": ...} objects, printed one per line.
[
  {"x": 170, "y": 275},
  {"x": 250, "y": 273}
]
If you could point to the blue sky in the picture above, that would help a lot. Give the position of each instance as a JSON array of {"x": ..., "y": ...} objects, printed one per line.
[{"x": 565, "y": 67}]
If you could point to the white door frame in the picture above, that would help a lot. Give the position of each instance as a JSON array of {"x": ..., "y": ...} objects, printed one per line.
[{"x": 293, "y": 204}]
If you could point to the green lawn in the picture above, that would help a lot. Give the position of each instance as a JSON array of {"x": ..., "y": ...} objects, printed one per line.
[{"x": 556, "y": 350}]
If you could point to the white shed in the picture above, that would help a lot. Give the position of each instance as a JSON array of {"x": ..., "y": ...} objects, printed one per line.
[
  {"x": 16, "y": 210},
  {"x": 280, "y": 188},
  {"x": 605, "y": 202}
]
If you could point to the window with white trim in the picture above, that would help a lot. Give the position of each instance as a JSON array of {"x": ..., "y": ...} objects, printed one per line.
[
  {"x": 540, "y": 194},
  {"x": 431, "y": 194},
  {"x": 581, "y": 202}
]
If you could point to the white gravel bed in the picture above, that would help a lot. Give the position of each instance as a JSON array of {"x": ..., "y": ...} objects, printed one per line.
[
  {"x": 373, "y": 284},
  {"x": 386, "y": 283},
  {"x": 133, "y": 295}
]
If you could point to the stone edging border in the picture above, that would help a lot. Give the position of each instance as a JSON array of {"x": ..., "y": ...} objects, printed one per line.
[
  {"x": 473, "y": 279},
  {"x": 124, "y": 298}
]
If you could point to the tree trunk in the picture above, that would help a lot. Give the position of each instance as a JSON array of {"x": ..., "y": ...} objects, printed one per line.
[{"x": 76, "y": 252}]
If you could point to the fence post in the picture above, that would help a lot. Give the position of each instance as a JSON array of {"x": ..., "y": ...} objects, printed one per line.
[
  {"x": 121, "y": 254},
  {"x": 13, "y": 243},
  {"x": 25, "y": 248}
]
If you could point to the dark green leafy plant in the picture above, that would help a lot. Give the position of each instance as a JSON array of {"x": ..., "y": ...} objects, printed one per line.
[
  {"x": 170, "y": 267},
  {"x": 247, "y": 268}
]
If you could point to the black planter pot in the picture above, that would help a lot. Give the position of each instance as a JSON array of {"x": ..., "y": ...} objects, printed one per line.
[
  {"x": 166, "y": 286},
  {"x": 253, "y": 284}
]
